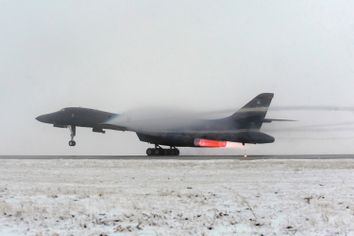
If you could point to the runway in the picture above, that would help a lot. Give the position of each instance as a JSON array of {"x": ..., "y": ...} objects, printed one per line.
[{"x": 186, "y": 157}]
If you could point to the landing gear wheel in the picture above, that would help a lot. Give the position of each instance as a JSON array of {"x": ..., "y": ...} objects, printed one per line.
[
  {"x": 158, "y": 151},
  {"x": 173, "y": 151},
  {"x": 149, "y": 152},
  {"x": 176, "y": 152},
  {"x": 72, "y": 143}
]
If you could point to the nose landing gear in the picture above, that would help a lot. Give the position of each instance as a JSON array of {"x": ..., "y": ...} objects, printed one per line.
[
  {"x": 159, "y": 151},
  {"x": 72, "y": 142}
]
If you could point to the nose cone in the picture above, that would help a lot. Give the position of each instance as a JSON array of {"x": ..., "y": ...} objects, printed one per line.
[{"x": 43, "y": 118}]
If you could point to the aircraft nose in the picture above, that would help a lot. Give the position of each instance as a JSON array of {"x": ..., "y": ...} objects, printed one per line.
[{"x": 42, "y": 118}]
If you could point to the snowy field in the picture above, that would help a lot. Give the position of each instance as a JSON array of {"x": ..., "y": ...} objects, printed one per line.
[{"x": 176, "y": 197}]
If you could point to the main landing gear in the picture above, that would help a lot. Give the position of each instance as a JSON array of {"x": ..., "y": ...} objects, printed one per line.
[
  {"x": 159, "y": 151},
  {"x": 72, "y": 142}
]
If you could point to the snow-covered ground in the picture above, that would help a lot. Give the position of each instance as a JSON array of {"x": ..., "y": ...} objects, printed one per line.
[{"x": 176, "y": 197}]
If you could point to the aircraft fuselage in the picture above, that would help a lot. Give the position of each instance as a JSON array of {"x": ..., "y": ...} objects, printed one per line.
[{"x": 242, "y": 127}]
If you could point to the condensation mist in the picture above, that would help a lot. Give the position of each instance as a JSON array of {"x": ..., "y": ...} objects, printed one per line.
[{"x": 200, "y": 56}]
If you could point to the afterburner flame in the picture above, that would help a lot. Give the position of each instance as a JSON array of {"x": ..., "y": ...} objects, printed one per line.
[
  {"x": 209, "y": 143},
  {"x": 217, "y": 144}
]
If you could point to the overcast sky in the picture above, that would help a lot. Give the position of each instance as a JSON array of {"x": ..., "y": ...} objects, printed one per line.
[{"x": 199, "y": 55}]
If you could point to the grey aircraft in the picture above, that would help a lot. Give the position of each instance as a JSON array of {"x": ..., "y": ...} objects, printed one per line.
[{"x": 242, "y": 127}]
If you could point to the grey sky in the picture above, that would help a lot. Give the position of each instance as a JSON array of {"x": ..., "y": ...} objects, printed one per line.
[{"x": 205, "y": 55}]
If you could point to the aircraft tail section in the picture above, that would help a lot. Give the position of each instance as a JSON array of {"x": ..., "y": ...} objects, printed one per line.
[{"x": 252, "y": 115}]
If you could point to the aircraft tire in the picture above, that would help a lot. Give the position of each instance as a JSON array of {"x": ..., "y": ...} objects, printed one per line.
[
  {"x": 157, "y": 152},
  {"x": 72, "y": 143},
  {"x": 149, "y": 152},
  {"x": 162, "y": 152},
  {"x": 176, "y": 152},
  {"x": 171, "y": 152}
]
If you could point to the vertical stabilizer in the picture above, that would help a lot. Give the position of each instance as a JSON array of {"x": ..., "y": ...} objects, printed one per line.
[{"x": 251, "y": 116}]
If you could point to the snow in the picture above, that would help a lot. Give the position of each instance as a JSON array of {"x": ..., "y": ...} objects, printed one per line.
[{"x": 176, "y": 197}]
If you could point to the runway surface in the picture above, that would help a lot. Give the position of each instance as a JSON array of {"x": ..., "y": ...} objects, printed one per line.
[{"x": 186, "y": 157}]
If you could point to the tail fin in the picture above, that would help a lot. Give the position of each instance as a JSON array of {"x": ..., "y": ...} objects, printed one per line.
[{"x": 252, "y": 115}]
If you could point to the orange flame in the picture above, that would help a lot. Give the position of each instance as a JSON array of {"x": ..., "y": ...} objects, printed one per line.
[{"x": 209, "y": 143}]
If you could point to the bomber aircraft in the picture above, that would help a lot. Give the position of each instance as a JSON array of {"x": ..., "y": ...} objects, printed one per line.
[{"x": 241, "y": 127}]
